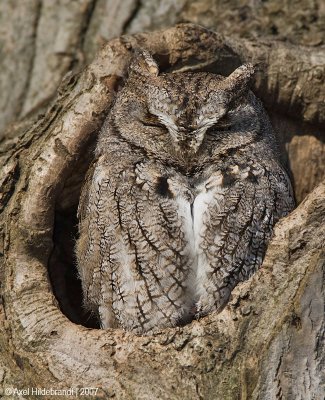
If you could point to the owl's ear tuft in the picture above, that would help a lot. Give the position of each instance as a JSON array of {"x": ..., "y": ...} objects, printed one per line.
[
  {"x": 238, "y": 82},
  {"x": 143, "y": 63}
]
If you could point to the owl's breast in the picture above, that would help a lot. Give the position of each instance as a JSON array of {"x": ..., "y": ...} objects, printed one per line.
[
  {"x": 192, "y": 200},
  {"x": 194, "y": 204}
]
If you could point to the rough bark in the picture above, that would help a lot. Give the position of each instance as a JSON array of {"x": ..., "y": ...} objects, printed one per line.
[{"x": 269, "y": 341}]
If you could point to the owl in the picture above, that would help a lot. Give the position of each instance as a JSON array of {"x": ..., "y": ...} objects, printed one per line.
[{"x": 180, "y": 201}]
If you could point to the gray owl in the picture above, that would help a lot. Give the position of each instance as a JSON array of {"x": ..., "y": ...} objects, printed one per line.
[{"x": 179, "y": 204}]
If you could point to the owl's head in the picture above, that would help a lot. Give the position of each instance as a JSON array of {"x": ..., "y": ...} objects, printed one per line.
[{"x": 183, "y": 113}]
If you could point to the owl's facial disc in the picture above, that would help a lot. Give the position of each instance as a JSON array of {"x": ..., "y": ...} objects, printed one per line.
[
  {"x": 185, "y": 106},
  {"x": 186, "y": 129}
]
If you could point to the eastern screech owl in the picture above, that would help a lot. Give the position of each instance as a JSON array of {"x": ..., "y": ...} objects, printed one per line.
[{"x": 181, "y": 199}]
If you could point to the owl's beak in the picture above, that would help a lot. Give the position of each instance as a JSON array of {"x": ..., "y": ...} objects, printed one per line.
[{"x": 190, "y": 141}]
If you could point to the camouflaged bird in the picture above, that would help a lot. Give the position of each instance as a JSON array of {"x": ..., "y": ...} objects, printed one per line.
[{"x": 180, "y": 202}]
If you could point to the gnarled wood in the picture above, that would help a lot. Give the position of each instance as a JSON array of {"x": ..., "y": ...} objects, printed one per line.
[{"x": 245, "y": 352}]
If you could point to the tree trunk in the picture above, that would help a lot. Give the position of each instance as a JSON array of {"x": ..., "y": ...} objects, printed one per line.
[{"x": 268, "y": 343}]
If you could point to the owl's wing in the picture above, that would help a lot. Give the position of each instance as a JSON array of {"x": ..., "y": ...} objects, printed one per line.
[
  {"x": 237, "y": 226},
  {"x": 84, "y": 194},
  {"x": 132, "y": 249},
  {"x": 91, "y": 231},
  {"x": 151, "y": 265}
]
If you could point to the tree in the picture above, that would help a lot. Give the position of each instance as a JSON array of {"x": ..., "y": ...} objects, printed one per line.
[{"x": 269, "y": 341}]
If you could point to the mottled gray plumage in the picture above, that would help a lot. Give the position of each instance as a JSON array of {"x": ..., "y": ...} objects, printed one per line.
[{"x": 181, "y": 200}]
